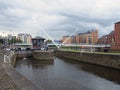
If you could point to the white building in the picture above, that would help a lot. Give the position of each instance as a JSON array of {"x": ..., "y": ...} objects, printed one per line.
[{"x": 25, "y": 38}]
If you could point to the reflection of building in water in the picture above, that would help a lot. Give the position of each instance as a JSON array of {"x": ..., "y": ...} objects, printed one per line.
[
  {"x": 41, "y": 64},
  {"x": 37, "y": 42}
]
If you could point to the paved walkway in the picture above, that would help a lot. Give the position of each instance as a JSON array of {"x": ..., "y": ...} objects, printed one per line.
[
  {"x": 10, "y": 79},
  {"x": 6, "y": 83}
]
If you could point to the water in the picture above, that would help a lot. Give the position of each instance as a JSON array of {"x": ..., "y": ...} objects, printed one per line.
[{"x": 65, "y": 74}]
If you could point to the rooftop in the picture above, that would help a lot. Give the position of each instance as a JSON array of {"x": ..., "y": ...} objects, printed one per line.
[
  {"x": 117, "y": 22},
  {"x": 88, "y": 32},
  {"x": 38, "y": 37}
]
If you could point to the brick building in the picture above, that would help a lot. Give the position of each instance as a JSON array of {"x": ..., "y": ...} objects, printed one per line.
[
  {"x": 68, "y": 40},
  {"x": 107, "y": 39},
  {"x": 116, "y": 45},
  {"x": 89, "y": 37}
]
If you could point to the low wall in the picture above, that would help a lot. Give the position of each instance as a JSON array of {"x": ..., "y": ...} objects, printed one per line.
[
  {"x": 43, "y": 55},
  {"x": 108, "y": 60},
  {"x": 23, "y": 54}
]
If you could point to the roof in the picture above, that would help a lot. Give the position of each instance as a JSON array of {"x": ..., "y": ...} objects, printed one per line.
[
  {"x": 88, "y": 32},
  {"x": 38, "y": 37},
  {"x": 117, "y": 22},
  {"x": 111, "y": 33}
]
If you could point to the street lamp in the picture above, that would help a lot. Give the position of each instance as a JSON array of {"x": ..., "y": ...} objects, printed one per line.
[
  {"x": 3, "y": 38},
  {"x": 11, "y": 38}
]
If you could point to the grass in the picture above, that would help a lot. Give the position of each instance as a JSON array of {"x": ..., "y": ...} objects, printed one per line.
[{"x": 107, "y": 53}]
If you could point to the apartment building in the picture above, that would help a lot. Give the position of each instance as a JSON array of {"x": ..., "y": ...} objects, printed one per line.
[
  {"x": 89, "y": 37},
  {"x": 116, "y": 45},
  {"x": 25, "y": 38}
]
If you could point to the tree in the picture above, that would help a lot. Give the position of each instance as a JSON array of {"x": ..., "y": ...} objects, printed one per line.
[
  {"x": 14, "y": 40},
  {"x": 49, "y": 41},
  {"x": 1, "y": 41}
]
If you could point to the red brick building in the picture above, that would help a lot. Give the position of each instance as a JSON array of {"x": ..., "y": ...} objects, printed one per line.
[
  {"x": 116, "y": 36},
  {"x": 113, "y": 38},
  {"x": 68, "y": 40},
  {"x": 107, "y": 39}
]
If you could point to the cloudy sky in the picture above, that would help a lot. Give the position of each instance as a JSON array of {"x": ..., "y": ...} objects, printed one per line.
[{"x": 58, "y": 17}]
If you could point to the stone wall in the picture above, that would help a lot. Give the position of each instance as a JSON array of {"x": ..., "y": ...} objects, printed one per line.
[
  {"x": 23, "y": 54},
  {"x": 43, "y": 55},
  {"x": 108, "y": 60}
]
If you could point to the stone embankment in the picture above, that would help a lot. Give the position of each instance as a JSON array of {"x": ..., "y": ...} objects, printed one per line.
[
  {"x": 43, "y": 55},
  {"x": 103, "y": 59},
  {"x": 23, "y": 54},
  {"x": 10, "y": 79}
]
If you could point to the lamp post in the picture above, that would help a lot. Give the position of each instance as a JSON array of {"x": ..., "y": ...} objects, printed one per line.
[
  {"x": 3, "y": 38},
  {"x": 11, "y": 38}
]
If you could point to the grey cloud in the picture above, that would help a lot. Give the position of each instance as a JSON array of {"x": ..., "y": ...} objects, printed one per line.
[{"x": 59, "y": 27}]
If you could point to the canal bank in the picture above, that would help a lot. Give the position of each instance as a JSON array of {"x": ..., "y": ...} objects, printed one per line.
[
  {"x": 10, "y": 79},
  {"x": 103, "y": 59}
]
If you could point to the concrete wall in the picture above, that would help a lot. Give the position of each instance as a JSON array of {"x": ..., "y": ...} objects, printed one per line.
[{"x": 108, "y": 60}]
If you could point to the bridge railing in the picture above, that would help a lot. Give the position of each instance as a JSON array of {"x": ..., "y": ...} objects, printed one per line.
[{"x": 7, "y": 58}]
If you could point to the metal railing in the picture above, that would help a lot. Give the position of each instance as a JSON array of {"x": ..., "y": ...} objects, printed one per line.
[{"x": 7, "y": 59}]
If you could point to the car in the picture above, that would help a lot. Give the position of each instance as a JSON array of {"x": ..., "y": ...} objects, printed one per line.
[{"x": 8, "y": 49}]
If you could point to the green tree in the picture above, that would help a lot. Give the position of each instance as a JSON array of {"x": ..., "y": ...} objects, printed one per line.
[
  {"x": 14, "y": 40},
  {"x": 1, "y": 41},
  {"x": 49, "y": 41}
]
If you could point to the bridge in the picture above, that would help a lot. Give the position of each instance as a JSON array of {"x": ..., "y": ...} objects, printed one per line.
[{"x": 81, "y": 45}]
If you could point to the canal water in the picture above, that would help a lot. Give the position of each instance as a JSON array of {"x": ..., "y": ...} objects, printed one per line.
[{"x": 66, "y": 74}]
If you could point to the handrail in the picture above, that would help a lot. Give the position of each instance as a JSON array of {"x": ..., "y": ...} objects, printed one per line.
[{"x": 6, "y": 58}]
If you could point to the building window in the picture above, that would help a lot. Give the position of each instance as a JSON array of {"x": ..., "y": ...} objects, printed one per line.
[
  {"x": 34, "y": 41},
  {"x": 90, "y": 40}
]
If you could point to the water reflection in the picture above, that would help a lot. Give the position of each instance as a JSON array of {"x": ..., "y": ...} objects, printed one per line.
[
  {"x": 41, "y": 64},
  {"x": 106, "y": 73},
  {"x": 66, "y": 74}
]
